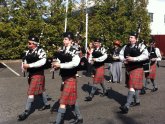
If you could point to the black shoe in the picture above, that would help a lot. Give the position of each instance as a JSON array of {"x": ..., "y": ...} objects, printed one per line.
[
  {"x": 142, "y": 92},
  {"x": 135, "y": 104},
  {"x": 89, "y": 98},
  {"x": 104, "y": 94},
  {"x": 52, "y": 110},
  {"x": 49, "y": 98},
  {"x": 23, "y": 116},
  {"x": 78, "y": 121},
  {"x": 154, "y": 89},
  {"x": 44, "y": 107},
  {"x": 124, "y": 109}
]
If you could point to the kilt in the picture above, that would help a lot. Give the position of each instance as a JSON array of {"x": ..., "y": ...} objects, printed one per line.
[
  {"x": 134, "y": 78},
  {"x": 152, "y": 73},
  {"x": 69, "y": 93},
  {"x": 36, "y": 84},
  {"x": 99, "y": 75}
]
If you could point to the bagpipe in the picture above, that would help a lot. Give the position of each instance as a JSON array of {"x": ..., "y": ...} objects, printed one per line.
[
  {"x": 146, "y": 66},
  {"x": 48, "y": 63},
  {"x": 83, "y": 64},
  {"x": 23, "y": 62},
  {"x": 109, "y": 59},
  {"x": 63, "y": 57},
  {"x": 23, "y": 70},
  {"x": 57, "y": 55},
  {"x": 149, "y": 62},
  {"x": 97, "y": 54},
  {"x": 66, "y": 57}
]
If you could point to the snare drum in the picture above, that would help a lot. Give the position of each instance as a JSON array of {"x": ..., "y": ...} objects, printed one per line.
[{"x": 146, "y": 67}]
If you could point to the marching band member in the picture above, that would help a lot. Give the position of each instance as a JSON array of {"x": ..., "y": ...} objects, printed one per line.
[
  {"x": 35, "y": 59},
  {"x": 68, "y": 60},
  {"x": 99, "y": 55},
  {"x": 133, "y": 54},
  {"x": 154, "y": 57}
]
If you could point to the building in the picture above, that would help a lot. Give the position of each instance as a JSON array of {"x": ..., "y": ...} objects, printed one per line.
[{"x": 156, "y": 10}]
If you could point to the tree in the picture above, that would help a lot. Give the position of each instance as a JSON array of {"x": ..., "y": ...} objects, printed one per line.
[
  {"x": 115, "y": 19},
  {"x": 108, "y": 19}
]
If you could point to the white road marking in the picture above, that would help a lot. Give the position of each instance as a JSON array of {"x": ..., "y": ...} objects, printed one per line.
[{"x": 11, "y": 69}]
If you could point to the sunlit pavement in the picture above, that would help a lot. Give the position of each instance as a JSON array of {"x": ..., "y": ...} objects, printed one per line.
[{"x": 101, "y": 110}]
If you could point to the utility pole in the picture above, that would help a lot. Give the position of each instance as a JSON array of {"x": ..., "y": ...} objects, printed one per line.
[
  {"x": 66, "y": 14},
  {"x": 86, "y": 43}
]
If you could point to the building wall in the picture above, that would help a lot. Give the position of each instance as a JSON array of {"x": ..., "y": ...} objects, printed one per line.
[
  {"x": 160, "y": 43},
  {"x": 157, "y": 7}
]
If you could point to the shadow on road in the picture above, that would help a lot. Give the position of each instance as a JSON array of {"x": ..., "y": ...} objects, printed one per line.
[
  {"x": 37, "y": 104},
  {"x": 87, "y": 88},
  {"x": 127, "y": 120},
  {"x": 118, "y": 97},
  {"x": 2, "y": 66},
  {"x": 55, "y": 106}
]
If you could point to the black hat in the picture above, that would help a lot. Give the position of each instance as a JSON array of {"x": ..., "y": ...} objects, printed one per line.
[
  {"x": 152, "y": 41},
  {"x": 97, "y": 40},
  {"x": 133, "y": 34},
  {"x": 68, "y": 35},
  {"x": 33, "y": 38}
]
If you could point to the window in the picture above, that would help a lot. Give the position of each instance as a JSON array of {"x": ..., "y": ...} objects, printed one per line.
[
  {"x": 164, "y": 18},
  {"x": 151, "y": 16}
]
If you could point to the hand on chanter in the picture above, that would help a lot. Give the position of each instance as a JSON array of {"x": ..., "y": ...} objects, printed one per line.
[
  {"x": 129, "y": 58},
  {"x": 56, "y": 65},
  {"x": 25, "y": 66},
  {"x": 153, "y": 59},
  {"x": 94, "y": 59}
]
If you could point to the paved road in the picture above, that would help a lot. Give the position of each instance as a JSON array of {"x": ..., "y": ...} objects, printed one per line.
[{"x": 102, "y": 110}]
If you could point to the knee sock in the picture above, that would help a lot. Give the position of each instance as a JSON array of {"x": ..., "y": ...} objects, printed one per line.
[
  {"x": 130, "y": 98},
  {"x": 146, "y": 82},
  {"x": 60, "y": 115},
  {"x": 29, "y": 102},
  {"x": 137, "y": 99},
  {"x": 77, "y": 111},
  {"x": 154, "y": 83},
  {"x": 93, "y": 91},
  {"x": 44, "y": 98},
  {"x": 103, "y": 87}
]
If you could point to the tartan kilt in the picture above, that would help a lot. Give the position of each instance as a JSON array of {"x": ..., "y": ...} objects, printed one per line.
[
  {"x": 99, "y": 75},
  {"x": 152, "y": 73},
  {"x": 69, "y": 93},
  {"x": 36, "y": 84},
  {"x": 135, "y": 78}
]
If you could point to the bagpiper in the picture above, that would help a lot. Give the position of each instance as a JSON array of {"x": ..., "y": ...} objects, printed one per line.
[
  {"x": 154, "y": 58},
  {"x": 34, "y": 61},
  {"x": 99, "y": 55},
  {"x": 68, "y": 61},
  {"x": 133, "y": 54}
]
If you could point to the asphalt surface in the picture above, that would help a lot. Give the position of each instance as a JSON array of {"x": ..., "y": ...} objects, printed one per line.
[{"x": 101, "y": 110}]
